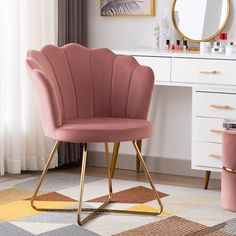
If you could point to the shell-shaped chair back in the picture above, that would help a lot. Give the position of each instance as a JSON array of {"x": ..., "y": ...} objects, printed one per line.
[{"x": 75, "y": 82}]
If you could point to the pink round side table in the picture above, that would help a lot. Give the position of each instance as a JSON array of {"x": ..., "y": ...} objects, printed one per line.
[{"x": 228, "y": 175}]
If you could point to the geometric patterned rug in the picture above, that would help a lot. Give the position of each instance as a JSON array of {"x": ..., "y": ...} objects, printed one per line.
[
  {"x": 187, "y": 211},
  {"x": 177, "y": 226}
]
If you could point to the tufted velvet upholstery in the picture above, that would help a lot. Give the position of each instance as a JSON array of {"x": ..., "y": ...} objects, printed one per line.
[{"x": 91, "y": 95}]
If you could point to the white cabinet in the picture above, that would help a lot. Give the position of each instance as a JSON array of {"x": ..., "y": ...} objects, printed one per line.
[
  {"x": 213, "y": 81},
  {"x": 208, "y": 113},
  {"x": 161, "y": 67}
]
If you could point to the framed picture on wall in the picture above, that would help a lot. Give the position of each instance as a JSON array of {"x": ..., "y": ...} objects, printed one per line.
[{"x": 127, "y": 7}]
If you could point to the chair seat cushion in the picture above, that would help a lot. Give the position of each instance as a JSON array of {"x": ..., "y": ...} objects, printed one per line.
[{"x": 103, "y": 130}]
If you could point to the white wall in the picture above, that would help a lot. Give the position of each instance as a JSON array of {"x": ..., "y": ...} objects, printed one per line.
[
  {"x": 121, "y": 32},
  {"x": 171, "y": 107},
  {"x": 132, "y": 32}
]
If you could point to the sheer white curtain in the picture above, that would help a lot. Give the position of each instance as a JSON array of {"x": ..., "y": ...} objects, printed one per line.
[{"x": 24, "y": 24}]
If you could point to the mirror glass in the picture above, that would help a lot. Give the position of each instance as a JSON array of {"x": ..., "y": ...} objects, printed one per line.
[{"x": 200, "y": 20}]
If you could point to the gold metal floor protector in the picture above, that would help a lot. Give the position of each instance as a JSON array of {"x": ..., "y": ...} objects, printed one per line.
[{"x": 102, "y": 208}]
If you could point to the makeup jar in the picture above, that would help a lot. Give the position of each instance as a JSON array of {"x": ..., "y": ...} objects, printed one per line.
[
  {"x": 205, "y": 47},
  {"x": 230, "y": 49}
]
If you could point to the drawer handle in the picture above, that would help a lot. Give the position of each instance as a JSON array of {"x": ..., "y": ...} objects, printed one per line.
[
  {"x": 207, "y": 72},
  {"x": 216, "y": 131},
  {"x": 212, "y": 155},
  {"x": 217, "y": 106}
]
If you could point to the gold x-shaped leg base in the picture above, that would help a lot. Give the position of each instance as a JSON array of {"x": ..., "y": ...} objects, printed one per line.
[{"x": 102, "y": 208}]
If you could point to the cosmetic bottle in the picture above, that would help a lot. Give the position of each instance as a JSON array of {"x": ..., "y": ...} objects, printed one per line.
[
  {"x": 172, "y": 47},
  {"x": 218, "y": 48},
  {"x": 156, "y": 37},
  {"x": 167, "y": 46},
  {"x": 223, "y": 39},
  {"x": 185, "y": 46},
  {"x": 205, "y": 47},
  {"x": 177, "y": 46},
  {"x": 230, "y": 49},
  {"x": 164, "y": 29}
]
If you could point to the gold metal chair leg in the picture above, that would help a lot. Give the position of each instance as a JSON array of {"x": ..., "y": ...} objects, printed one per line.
[
  {"x": 44, "y": 173},
  {"x": 207, "y": 178},
  {"x": 139, "y": 144},
  {"x": 82, "y": 176},
  {"x": 149, "y": 177},
  {"x": 114, "y": 157},
  {"x": 108, "y": 171}
]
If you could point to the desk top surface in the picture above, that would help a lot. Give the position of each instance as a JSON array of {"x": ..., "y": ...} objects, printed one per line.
[{"x": 173, "y": 54}]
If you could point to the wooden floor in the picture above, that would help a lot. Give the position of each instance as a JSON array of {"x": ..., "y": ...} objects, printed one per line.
[
  {"x": 157, "y": 178},
  {"x": 130, "y": 175}
]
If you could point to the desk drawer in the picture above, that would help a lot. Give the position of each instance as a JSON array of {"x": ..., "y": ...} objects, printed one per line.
[
  {"x": 208, "y": 154},
  {"x": 204, "y": 71},
  {"x": 161, "y": 66},
  {"x": 208, "y": 129},
  {"x": 216, "y": 105}
]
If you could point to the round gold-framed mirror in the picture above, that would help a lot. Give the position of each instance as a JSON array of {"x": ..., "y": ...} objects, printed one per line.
[{"x": 200, "y": 20}]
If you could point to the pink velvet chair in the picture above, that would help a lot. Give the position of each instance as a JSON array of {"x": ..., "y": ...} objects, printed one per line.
[
  {"x": 91, "y": 95},
  {"x": 228, "y": 175}
]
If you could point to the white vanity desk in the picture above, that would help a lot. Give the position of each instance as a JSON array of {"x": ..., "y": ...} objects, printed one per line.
[{"x": 213, "y": 81}]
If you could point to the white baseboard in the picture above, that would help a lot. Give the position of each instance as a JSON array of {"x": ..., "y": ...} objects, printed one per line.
[{"x": 155, "y": 164}]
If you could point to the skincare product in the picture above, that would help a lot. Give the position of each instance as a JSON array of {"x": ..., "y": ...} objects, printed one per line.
[
  {"x": 156, "y": 37},
  {"x": 205, "y": 47},
  {"x": 223, "y": 39},
  {"x": 230, "y": 49},
  {"x": 218, "y": 48},
  {"x": 164, "y": 29}
]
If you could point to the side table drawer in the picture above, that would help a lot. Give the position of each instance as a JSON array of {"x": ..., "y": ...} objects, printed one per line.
[
  {"x": 207, "y": 154},
  {"x": 217, "y": 105},
  {"x": 161, "y": 67},
  {"x": 208, "y": 129}
]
